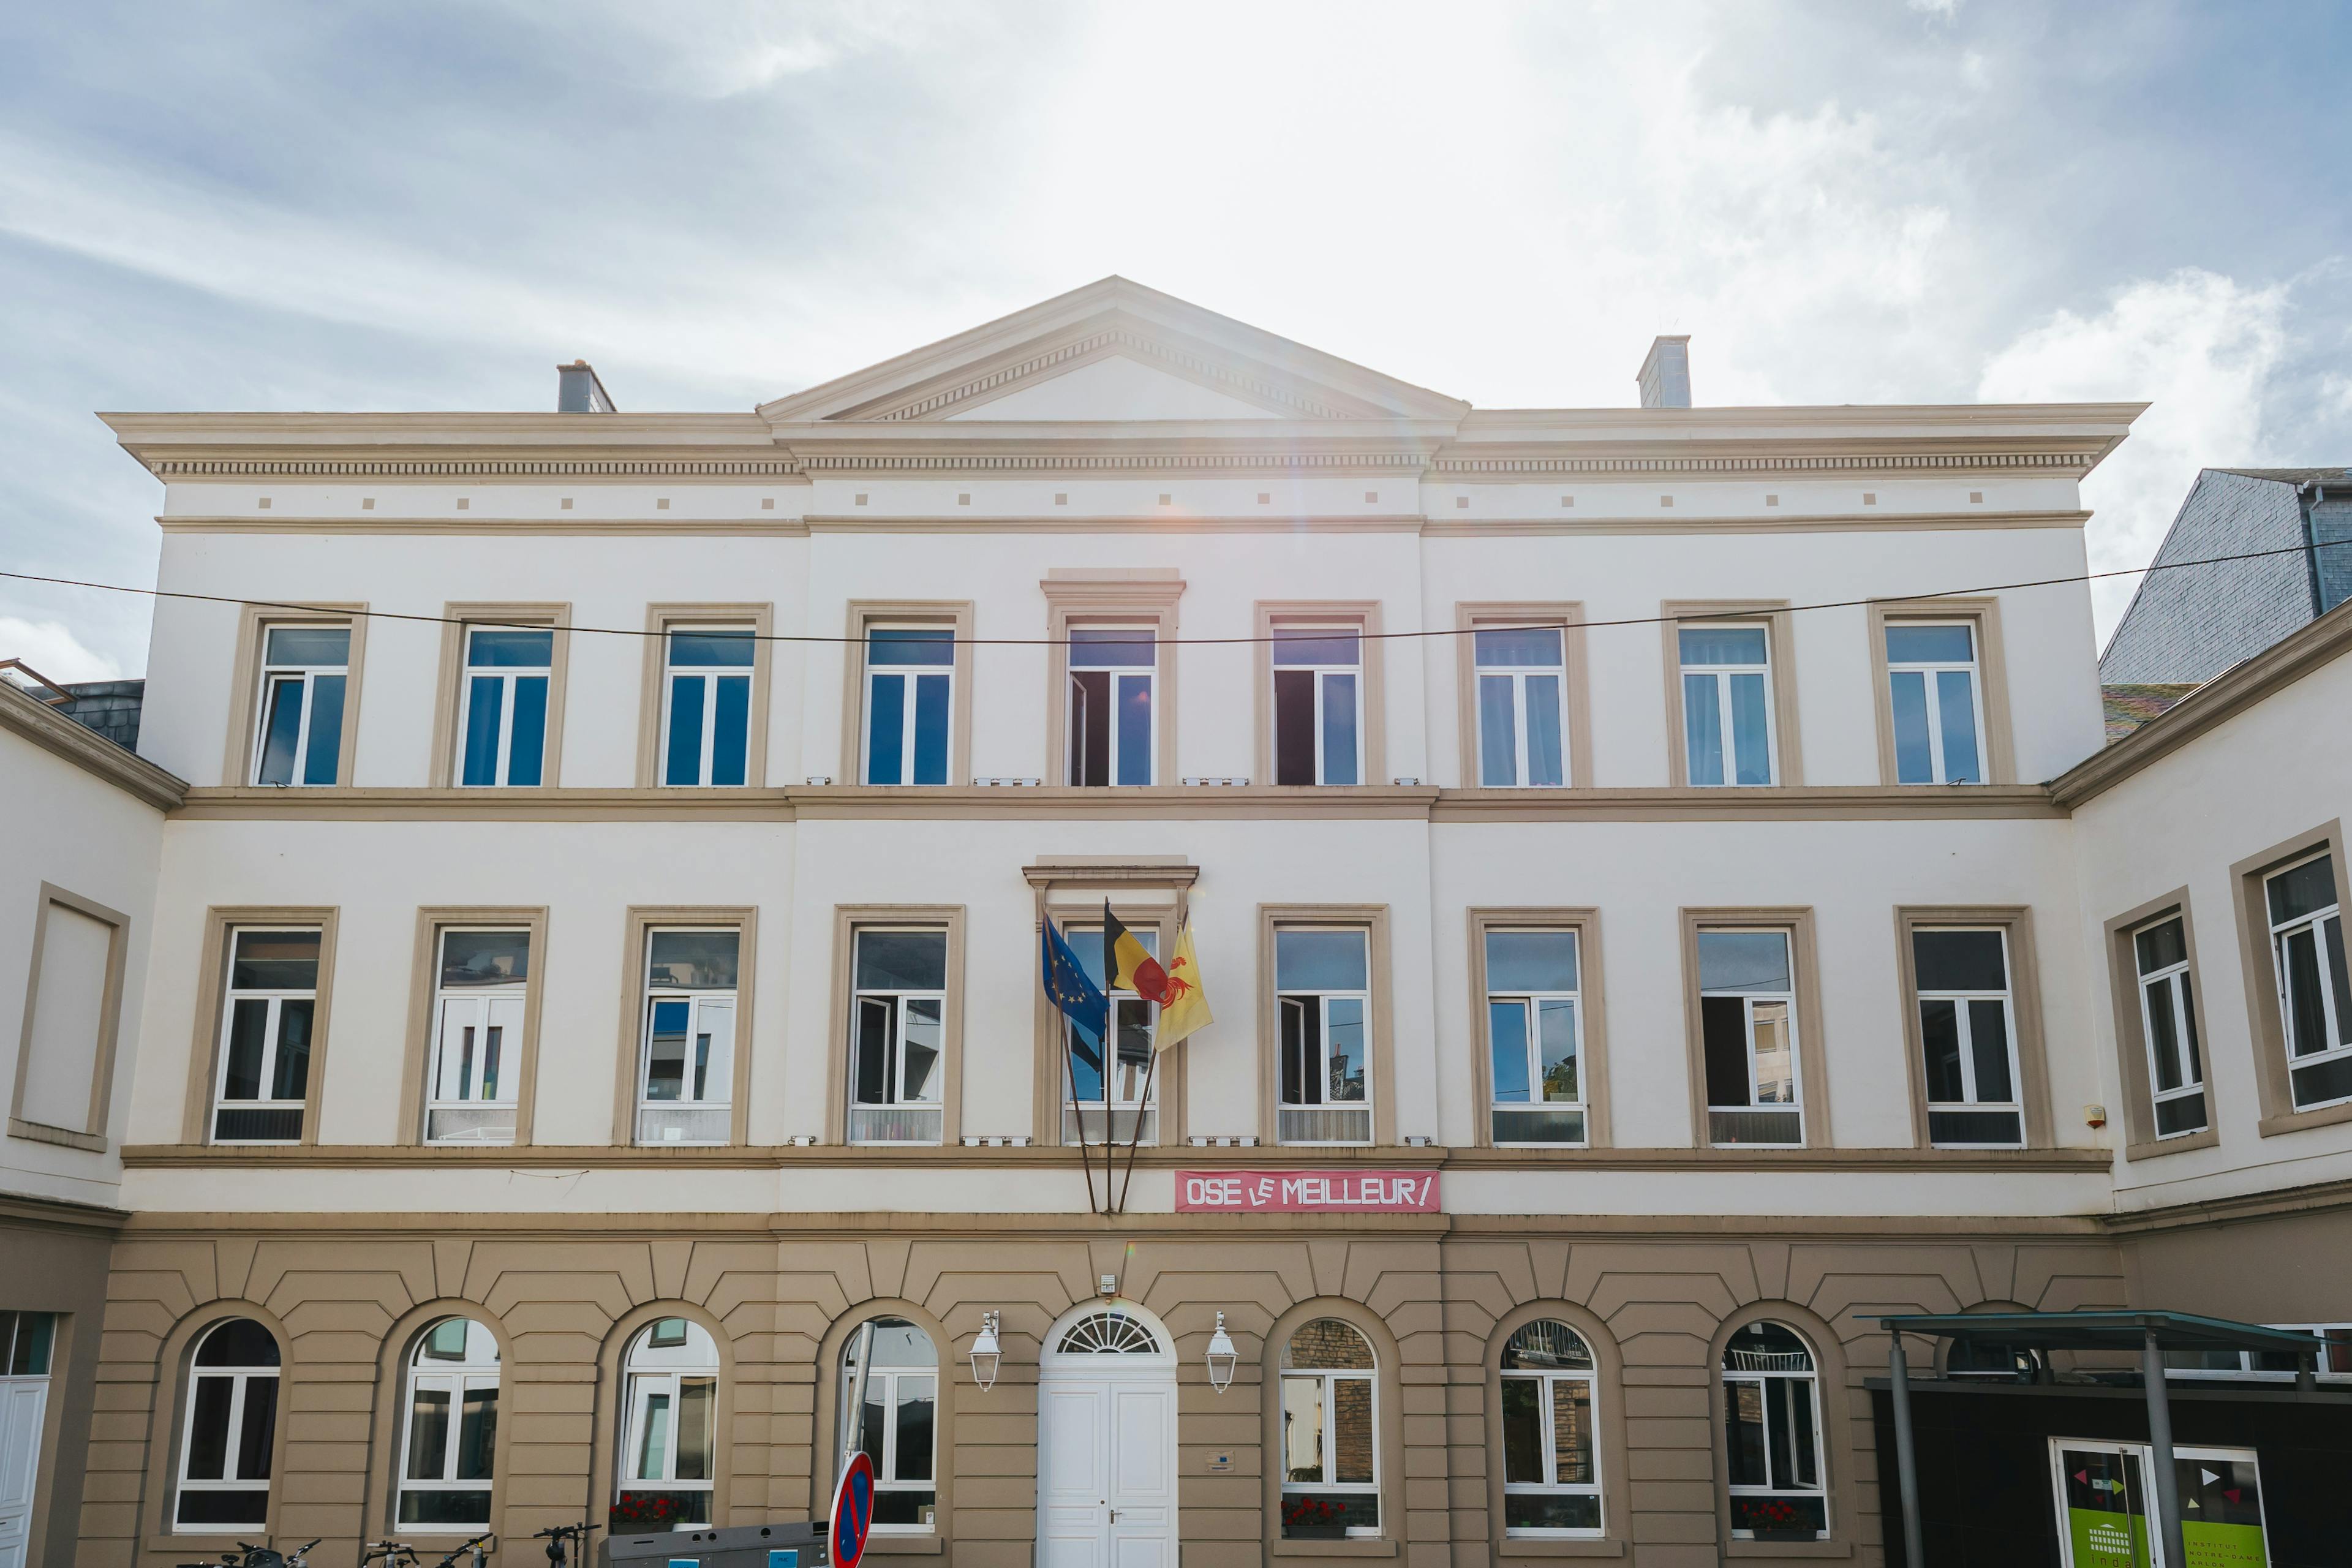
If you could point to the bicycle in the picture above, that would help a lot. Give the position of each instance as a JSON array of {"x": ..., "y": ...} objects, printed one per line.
[
  {"x": 249, "y": 1555},
  {"x": 390, "y": 1554},
  {"x": 557, "y": 1536},
  {"x": 470, "y": 1548}
]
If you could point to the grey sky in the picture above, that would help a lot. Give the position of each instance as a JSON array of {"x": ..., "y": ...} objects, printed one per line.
[{"x": 422, "y": 205}]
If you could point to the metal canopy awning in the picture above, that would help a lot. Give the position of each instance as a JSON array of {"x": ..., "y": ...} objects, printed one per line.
[{"x": 2149, "y": 1334}]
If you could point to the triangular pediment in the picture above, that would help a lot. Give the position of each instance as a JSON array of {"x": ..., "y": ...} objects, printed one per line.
[{"x": 1113, "y": 351}]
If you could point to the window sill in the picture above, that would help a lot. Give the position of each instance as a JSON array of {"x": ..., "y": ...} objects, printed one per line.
[
  {"x": 1381, "y": 1547},
  {"x": 41, "y": 1132},
  {"x": 879, "y": 1545},
  {"x": 2156, "y": 1148},
  {"x": 1832, "y": 1548},
  {"x": 1571, "y": 1546},
  {"x": 2297, "y": 1120}
]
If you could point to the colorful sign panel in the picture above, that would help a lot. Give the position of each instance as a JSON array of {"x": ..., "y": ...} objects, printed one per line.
[
  {"x": 2105, "y": 1501},
  {"x": 1306, "y": 1192}
]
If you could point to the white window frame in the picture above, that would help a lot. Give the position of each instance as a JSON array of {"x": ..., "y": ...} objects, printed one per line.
[
  {"x": 306, "y": 676},
  {"x": 886, "y": 1466},
  {"x": 2338, "y": 1334},
  {"x": 241, "y": 1378},
  {"x": 1288, "y": 997},
  {"x": 446, "y": 1001},
  {"x": 505, "y": 675},
  {"x": 1329, "y": 1379},
  {"x": 459, "y": 1380},
  {"x": 1148, "y": 634},
  {"x": 639, "y": 1384},
  {"x": 2282, "y": 932},
  {"x": 275, "y": 1001},
  {"x": 709, "y": 675},
  {"x": 2174, "y": 980},
  {"x": 719, "y": 1094},
  {"x": 1787, "y": 1001},
  {"x": 1530, "y": 1004},
  {"x": 1810, "y": 1373},
  {"x": 1074, "y": 1124},
  {"x": 1517, "y": 674},
  {"x": 2007, "y": 997},
  {"x": 944, "y": 671},
  {"x": 1927, "y": 670},
  {"x": 1722, "y": 674},
  {"x": 1289, "y": 631},
  {"x": 1547, "y": 1382},
  {"x": 898, "y": 1000}
]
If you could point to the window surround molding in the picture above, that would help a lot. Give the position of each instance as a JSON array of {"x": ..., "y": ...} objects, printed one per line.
[
  {"x": 1613, "y": 1450},
  {"x": 1145, "y": 897},
  {"x": 237, "y": 765},
  {"x": 2016, "y": 922},
  {"x": 447, "y": 705},
  {"x": 759, "y": 618},
  {"x": 1274, "y": 615},
  {"x": 1780, "y": 652},
  {"x": 1836, "y": 1398},
  {"x": 167, "y": 1424},
  {"x": 1373, "y": 920},
  {"x": 612, "y": 1402},
  {"x": 1593, "y": 1032},
  {"x": 383, "y": 1483},
  {"x": 221, "y": 921},
  {"x": 2131, "y": 1034},
  {"x": 824, "y": 1460},
  {"x": 1812, "y": 1065},
  {"x": 640, "y": 922},
  {"x": 1983, "y": 614},
  {"x": 2258, "y": 973},
  {"x": 422, "y": 1021},
  {"x": 1107, "y": 596},
  {"x": 92, "y": 1135},
  {"x": 1470, "y": 616},
  {"x": 846, "y": 919},
  {"x": 1388, "y": 1383},
  {"x": 957, "y": 616}
]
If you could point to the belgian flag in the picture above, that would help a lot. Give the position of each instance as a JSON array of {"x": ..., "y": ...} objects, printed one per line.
[{"x": 1131, "y": 968}]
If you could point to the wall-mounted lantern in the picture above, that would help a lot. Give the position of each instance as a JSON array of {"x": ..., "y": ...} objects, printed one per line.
[
  {"x": 1221, "y": 1357},
  {"x": 986, "y": 1353}
]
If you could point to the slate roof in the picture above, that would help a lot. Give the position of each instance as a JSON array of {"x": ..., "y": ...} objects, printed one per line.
[{"x": 2131, "y": 703}]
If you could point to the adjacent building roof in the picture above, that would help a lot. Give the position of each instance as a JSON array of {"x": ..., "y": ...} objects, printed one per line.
[
  {"x": 2130, "y": 704},
  {"x": 2101, "y": 1331}
]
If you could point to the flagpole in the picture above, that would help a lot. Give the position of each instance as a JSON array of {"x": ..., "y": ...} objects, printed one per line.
[
  {"x": 1085, "y": 1161},
  {"x": 1134, "y": 1139}
]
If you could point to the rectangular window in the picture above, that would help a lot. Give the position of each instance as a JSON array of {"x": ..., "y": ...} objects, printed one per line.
[
  {"x": 2335, "y": 1358},
  {"x": 686, "y": 1083},
  {"x": 1932, "y": 686},
  {"x": 2175, "y": 1064},
  {"x": 1323, "y": 999},
  {"x": 1522, "y": 708},
  {"x": 1534, "y": 1018},
  {"x": 898, "y": 1036},
  {"x": 1318, "y": 705},
  {"x": 299, "y": 739},
  {"x": 706, "y": 729},
  {"x": 502, "y": 725},
  {"x": 1727, "y": 705},
  {"x": 1968, "y": 1035},
  {"x": 2314, "y": 1001},
  {"x": 266, "y": 1037},
  {"x": 1109, "y": 1093},
  {"x": 1747, "y": 1029},
  {"x": 909, "y": 706},
  {"x": 481, "y": 999},
  {"x": 1113, "y": 673}
]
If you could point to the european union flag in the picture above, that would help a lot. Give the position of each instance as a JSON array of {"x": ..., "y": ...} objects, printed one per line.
[{"x": 1068, "y": 987}]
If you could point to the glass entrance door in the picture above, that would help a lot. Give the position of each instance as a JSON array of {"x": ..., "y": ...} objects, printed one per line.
[{"x": 2104, "y": 1505}]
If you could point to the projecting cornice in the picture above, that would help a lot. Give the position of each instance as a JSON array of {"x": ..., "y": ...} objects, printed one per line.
[
  {"x": 44, "y": 726},
  {"x": 494, "y": 446}
]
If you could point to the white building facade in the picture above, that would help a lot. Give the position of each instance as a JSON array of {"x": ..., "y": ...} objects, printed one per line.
[{"x": 591, "y": 1019}]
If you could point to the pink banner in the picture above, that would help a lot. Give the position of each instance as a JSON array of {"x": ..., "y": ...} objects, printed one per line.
[{"x": 1306, "y": 1192}]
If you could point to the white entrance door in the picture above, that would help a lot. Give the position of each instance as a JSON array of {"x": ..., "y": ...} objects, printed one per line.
[
  {"x": 1106, "y": 1444},
  {"x": 24, "y": 1401}
]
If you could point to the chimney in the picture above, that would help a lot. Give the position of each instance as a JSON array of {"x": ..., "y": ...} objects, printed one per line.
[
  {"x": 1666, "y": 374},
  {"x": 577, "y": 390}
]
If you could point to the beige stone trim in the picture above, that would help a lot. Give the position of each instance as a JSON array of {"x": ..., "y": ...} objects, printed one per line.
[
  {"x": 1276, "y": 522},
  {"x": 1780, "y": 649},
  {"x": 1105, "y": 598},
  {"x": 2016, "y": 922},
  {"x": 1072, "y": 896},
  {"x": 639, "y": 924},
  {"x": 660, "y": 620},
  {"x": 947, "y": 1440},
  {"x": 1388, "y": 1419},
  {"x": 613, "y": 1393},
  {"x": 36, "y": 722},
  {"x": 1373, "y": 920},
  {"x": 449, "y": 703},
  {"x": 1591, "y": 1020},
  {"x": 2259, "y": 971},
  {"x": 157, "y": 1542},
  {"x": 212, "y": 986},
  {"x": 245, "y": 689},
  {"x": 1364, "y": 615},
  {"x": 957, "y": 616},
  {"x": 1470, "y": 614},
  {"x": 384, "y": 1431},
  {"x": 2131, "y": 1031},
  {"x": 1839, "y": 1459},
  {"x": 471, "y": 526},
  {"x": 1795, "y": 523},
  {"x": 424, "y": 982},
  {"x": 1983, "y": 616},
  {"x": 1612, "y": 1453},
  {"x": 91, "y": 1134},
  {"x": 1812, "y": 1059},
  {"x": 847, "y": 921}
]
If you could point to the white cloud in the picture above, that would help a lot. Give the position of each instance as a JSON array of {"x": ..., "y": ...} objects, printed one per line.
[
  {"x": 2202, "y": 348},
  {"x": 51, "y": 647}
]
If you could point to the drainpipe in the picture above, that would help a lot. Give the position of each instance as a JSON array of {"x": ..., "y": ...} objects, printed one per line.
[{"x": 2308, "y": 496}]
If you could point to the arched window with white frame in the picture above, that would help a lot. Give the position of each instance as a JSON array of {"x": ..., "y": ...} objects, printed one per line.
[
  {"x": 1552, "y": 1464},
  {"x": 228, "y": 1440},
  {"x": 449, "y": 1427},
  {"x": 1772, "y": 1435},
  {"x": 669, "y": 1427},
  {"x": 889, "y": 1411},
  {"x": 1330, "y": 1432}
]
